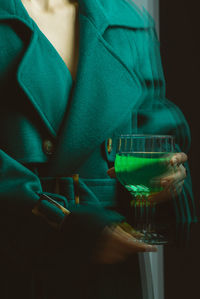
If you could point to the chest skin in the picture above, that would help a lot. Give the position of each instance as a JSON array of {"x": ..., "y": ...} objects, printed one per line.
[{"x": 61, "y": 27}]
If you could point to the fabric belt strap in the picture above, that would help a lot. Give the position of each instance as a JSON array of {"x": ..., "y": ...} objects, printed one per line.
[{"x": 102, "y": 192}]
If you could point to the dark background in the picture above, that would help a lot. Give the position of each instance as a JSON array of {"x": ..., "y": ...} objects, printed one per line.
[{"x": 180, "y": 50}]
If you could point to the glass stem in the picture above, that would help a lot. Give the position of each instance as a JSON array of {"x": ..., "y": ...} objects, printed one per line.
[{"x": 152, "y": 227}]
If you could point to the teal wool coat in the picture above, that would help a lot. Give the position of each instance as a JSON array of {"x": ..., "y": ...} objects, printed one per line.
[{"x": 53, "y": 127}]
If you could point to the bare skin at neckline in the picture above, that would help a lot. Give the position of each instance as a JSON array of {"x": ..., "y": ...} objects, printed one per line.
[{"x": 58, "y": 21}]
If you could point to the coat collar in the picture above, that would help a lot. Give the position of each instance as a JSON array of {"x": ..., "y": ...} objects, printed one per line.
[
  {"x": 102, "y": 13},
  {"x": 97, "y": 90},
  {"x": 105, "y": 13}
]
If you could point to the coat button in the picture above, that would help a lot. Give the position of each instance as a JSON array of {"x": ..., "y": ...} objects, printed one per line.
[
  {"x": 109, "y": 145},
  {"x": 48, "y": 147}
]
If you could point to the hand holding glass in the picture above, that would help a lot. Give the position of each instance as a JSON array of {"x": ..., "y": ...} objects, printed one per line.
[{"x": 141, "y": 161}]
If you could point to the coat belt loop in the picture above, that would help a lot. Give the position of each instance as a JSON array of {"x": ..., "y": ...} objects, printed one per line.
[{"x": 76, "y": 187}]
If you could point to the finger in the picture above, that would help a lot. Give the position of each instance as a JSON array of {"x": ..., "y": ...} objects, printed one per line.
[
  {"x": 168, "y": 193},
  {"x": 118, "y": 246},
  {"x": 130, "y": 244},
  {"x": 171, "y": 191},
  {"x": 134, "y": 246},
  {"x": 126, "y": 243},
  {"x": 177, "y": 188},
  {"x": 178, "y": 158},
  {"x": 174, "y": 186},
  {"x": 183, "y": 170},
  {"x": 111, "y": 172},
  {"x": 179, "y": 175},
  {"x": 130, "y": 230},
  {"x": 122, "y": 234}
]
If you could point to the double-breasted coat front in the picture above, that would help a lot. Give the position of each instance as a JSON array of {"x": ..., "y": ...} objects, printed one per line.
[{"x": 53, "y": 127}]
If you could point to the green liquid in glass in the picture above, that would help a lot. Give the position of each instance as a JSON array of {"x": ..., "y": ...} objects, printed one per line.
[{"x": 140, "y": 172}]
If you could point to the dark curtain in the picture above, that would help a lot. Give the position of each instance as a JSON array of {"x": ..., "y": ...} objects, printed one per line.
[{"x": 180, "y": 50}]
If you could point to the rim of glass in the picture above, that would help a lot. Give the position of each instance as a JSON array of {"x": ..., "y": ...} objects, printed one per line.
[{"x": 146, "y": 135}]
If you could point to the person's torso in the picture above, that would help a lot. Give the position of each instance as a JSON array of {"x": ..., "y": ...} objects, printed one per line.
[{"x": 109, "y": 85}]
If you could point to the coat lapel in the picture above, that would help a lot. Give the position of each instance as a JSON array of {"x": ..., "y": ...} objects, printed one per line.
[
  {"x": 37, "y": 65},
  {"x": 106, "y": 90}
]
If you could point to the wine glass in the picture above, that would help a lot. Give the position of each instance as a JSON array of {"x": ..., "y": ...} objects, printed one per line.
[{"x": 141, "y": 162}]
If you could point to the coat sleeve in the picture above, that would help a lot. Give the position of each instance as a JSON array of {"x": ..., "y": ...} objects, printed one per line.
[
  {"x": 166, "y": 118},
  {"x": 158, "y": 115},
  {"x": 27, "y": 239}
]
